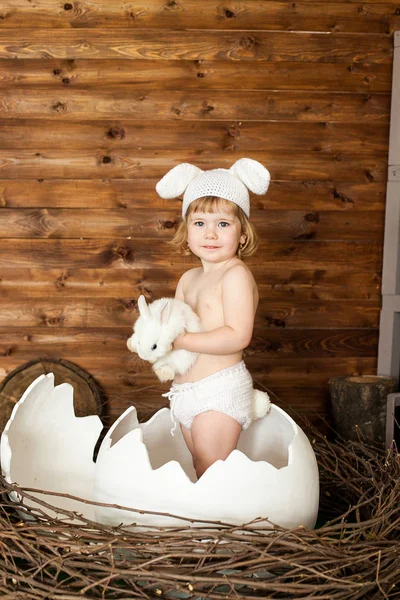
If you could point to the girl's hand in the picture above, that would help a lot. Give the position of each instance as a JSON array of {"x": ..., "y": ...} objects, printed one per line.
[{"x": 178, "y": 343}]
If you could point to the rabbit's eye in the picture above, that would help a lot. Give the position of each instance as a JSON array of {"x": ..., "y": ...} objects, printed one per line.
[{"x": 154, "y": 346}]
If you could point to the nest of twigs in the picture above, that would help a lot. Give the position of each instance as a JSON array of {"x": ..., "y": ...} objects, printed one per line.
[{"x": 353, "y": 553}]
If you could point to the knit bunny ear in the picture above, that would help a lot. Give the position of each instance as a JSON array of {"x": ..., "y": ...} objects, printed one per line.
[
  {"x": 175, "y": 182},
  {"x": 253, "y": 174}
]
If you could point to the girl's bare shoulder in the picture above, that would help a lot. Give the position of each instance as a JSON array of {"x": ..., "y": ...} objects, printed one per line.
[
  {"x": 239, "y": 270},
  {"x": 189, "y": 276}
]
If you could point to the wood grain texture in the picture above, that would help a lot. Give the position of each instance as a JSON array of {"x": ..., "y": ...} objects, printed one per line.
[
  {"x": 279, "y": 344},
  {"x": 246, "y": 45},
  {"x": 198, "y": 74},
  {"x": 123, "y": 163},
  {"x": 122, "y": 312},
  {"x": 194, "y": 105},
  {"x": 271, "y": 225},
  {"x": 372, "y": 17},
  {"x": 140, "y": 193},
  {"x": 275, "y": 283},
  {"x": 142, "y": 253},
  {"x": 367, "y": 139}
]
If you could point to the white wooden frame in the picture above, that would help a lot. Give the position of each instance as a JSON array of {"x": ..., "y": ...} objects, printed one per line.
[{"x": 389, "y": 330}]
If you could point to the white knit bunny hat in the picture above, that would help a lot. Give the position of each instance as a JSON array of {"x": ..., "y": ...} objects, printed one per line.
[{"x": 230, "y": 184}]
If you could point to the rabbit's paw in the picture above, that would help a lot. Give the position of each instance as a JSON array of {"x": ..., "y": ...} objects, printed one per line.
[{"x": 164, "y": 373}]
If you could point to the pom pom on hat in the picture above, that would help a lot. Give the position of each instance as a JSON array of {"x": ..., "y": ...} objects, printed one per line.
[{"x": 230, "y": 184}]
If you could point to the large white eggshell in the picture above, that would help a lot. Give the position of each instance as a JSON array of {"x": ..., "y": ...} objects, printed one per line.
[
  {"x": 45, "y": 446},
  {"x": 272, "y": 475}
]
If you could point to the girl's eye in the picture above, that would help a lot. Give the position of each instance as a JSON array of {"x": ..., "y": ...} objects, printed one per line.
[
  {"x": 224, "y": 224},
  {"x": 154, "y": 346},
  {"x": 198, "y": 223}
]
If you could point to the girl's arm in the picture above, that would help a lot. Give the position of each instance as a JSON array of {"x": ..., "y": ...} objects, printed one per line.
[
  {"x": 179, "y": 295},
  {"x": 238, "y": 309}
]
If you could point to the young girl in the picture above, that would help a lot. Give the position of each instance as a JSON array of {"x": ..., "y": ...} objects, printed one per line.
[{"x": 213, "y": 400}]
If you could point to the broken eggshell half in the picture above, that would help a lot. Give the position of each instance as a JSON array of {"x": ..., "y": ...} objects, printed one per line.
[
  {"x": 272, "y": 475},
  {"x": 46, "y": 447}
]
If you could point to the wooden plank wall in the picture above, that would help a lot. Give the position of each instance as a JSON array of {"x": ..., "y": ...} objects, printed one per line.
[{"x": 99, "y": 100}]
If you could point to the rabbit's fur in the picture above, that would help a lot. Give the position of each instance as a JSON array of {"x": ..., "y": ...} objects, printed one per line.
[{"x": 157, "y": 327}]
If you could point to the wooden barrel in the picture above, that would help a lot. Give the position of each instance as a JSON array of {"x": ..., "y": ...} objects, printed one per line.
[
  {"x": 89, "y": 398},
  {"x": 359, "y": 406}
]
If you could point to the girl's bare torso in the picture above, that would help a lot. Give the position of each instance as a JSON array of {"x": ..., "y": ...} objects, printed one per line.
[{"x": 203, "y": 292}]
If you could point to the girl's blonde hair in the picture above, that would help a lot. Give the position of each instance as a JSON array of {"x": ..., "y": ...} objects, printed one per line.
[{"x": 211, "y": 204}]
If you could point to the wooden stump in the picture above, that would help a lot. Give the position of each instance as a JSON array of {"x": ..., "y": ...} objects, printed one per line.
[
  {"x": 359, "y": 405},
  {"x": 89, "y": 398}
]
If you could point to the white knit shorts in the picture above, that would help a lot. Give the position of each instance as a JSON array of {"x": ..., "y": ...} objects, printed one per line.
[{"x": 229, "y": 391}]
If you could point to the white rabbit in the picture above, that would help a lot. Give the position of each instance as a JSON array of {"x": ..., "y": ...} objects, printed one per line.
[{"x": 155, "y": 330}]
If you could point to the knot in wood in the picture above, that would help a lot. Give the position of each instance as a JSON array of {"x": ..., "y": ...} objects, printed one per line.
[
  {"x": 168, "y": 224},
  {"x": 279, "y": 323},
  {"x": 59, "y": 107},
  {"x": 233, "y": 132},
  {"x": 68, "y": 6},
  {"x": 229, "y": 14},
  {"x": 207, "y": 107},
  {"x": 60, "y": 281},
  {"x": 106, "y": 160},
  {"x": 124, "y": 252},
  {"x": 172, "y": 5},
  {"x": 57, "y": 71},
  {"x": 129, "y": 303},
  {"x": 312, "y": 217},
  {"x": 342, "y": 197},
  {"x": 53, "y": 321},
  {"x": 248, "y": 42},
  {"x": 273, "y": 346},
  {"x": 65, "y": 80},
  {"x": 116, "y": 133}
]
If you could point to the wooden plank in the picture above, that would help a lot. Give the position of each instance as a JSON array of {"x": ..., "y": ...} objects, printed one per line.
[
  {"x": 287, "y": 373},
  {"x": 26, "y": 343},
  {"x": 145, "y": 254},
  {"x": 367, "y": 139},
  {"x": 246, "y": 45},
  {"x": 204, "y": 74},
  {"x": 140, "y": 193},
  {"x": 375, "y": 17},
  {"x": 67, "y": 104},
  {"x": 87, "y": 164},
  {"x": 274, "y": 225},
  {"x": 121, "y": 312},
  {"x": 276, "y": 284}
]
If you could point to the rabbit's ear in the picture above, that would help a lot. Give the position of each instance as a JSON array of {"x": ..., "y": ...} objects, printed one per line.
[
  {"x": 175, "y": 182},
  {"x": 143, "y": 308},
  {"x": 165, "y": 311},
  {"x": 253, "y": 174}
]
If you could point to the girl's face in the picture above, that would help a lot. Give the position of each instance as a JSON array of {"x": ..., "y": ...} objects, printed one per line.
[{"x": 214, "y": 237}]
